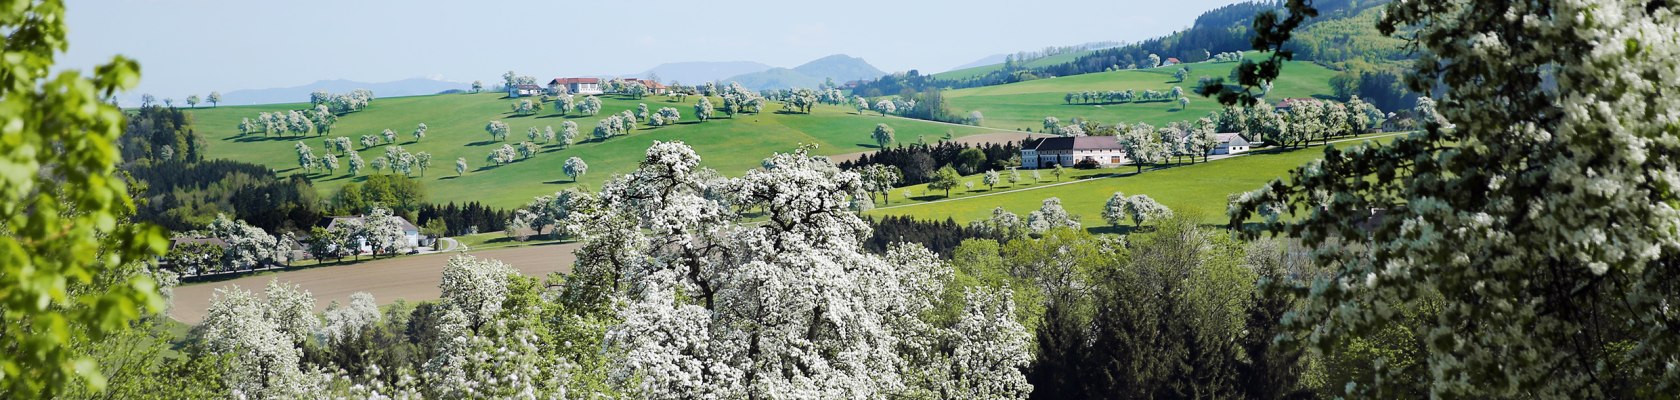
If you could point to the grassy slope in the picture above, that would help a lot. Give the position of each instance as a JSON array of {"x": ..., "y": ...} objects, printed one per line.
[
  {"x": 1024, "y": 105},
  {"x": 456, "y": 129},
  {"x": 1200, "y": 189},
  {"x": 971, "y": 72}
]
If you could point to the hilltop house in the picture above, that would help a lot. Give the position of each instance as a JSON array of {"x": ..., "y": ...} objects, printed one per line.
[
  {"x": 1283, "y": 106},
  {"x": 653, "y": 87},
  {"x": 575, "y": 85},
  {"x": 1230, "y": 143},
  {"x": 524, "y": 90},
  {"x": 411, "y": 233},
  {"x": 1170, "y": 61},
  {"x": 1067, "y": 151}
]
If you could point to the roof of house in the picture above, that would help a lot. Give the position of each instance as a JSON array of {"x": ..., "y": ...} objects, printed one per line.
[
  {"x": 1290, "y": 102},
  {"x": 1173, "y": 60},
  {"x": 527, "y": 87},
  {"x": 569, "y": 81},
  {"x": 328, "y": 222},
  {"x": 1226, "y": 137},
  {"x": 1075, "y": 143},
  {"x": 186, "y": 240}
]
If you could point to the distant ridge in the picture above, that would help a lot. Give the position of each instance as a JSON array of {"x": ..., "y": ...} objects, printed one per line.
[
  {"x": 299, "y": 94},
  {"x": 839, "y": 67},
  {"x": 689, "y": 73}
]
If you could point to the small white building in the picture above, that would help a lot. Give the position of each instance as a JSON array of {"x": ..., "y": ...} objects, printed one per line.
[
  {"x": 576, "y": 85},
  {"x": 411, "y": 233},
  {"x": 524, "y": 90},
  {"x": 1068, "y": 151},
  {"x": 1230, "y": 143}
]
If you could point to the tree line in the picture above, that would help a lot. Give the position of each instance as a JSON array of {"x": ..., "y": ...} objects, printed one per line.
[{"x": 918, "y": 161}]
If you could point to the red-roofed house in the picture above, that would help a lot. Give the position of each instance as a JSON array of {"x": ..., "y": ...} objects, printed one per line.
[
  {"x": 654, "y": 87},
  {"x": 1170, "y": 61},
  {"x": 576, "y": 85}
]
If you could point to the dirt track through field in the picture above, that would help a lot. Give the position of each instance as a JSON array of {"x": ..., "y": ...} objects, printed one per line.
[
  {"x": 1000, "y": 137},
  {"x": 411, "y": 278}
]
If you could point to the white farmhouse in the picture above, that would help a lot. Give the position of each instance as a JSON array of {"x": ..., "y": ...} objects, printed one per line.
[
  {"x": 411, "y": 233},
  {"x": 576, "y": 85},
  {"x": 1230, "y": 143},
  {"x": 1068, "y": 151},
  {"x": 524, "y": 90}
]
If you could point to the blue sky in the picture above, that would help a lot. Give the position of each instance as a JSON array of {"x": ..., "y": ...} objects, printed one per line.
[{"x": 196, "y": 46}]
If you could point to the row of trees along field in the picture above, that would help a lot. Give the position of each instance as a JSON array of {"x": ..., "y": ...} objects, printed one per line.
[{"x": 1471, "y": 279}]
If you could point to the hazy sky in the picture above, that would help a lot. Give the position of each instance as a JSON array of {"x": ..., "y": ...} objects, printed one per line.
[{"x": 196, "y": 46}]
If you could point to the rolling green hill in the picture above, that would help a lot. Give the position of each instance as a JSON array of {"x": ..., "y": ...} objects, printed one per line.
[
  {"x": 973, "y": 72},
  {"x": 1200, "y": 189},
  {"x": 456, "y": 129},
  {"x": 1024, "y": 105}
]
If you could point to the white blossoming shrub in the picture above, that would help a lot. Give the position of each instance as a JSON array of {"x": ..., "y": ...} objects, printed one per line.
[
  {"x": 1535, "y": 220},
  {"x": 346, "y": 323},
  {"x": 709, "y": 306},
  {"x": 264, "y": 362}
]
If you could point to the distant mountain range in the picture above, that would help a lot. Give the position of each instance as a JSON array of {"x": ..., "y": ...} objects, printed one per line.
[
  {"x": 839, "y": 67},
  {"x": 689, "y": 73},
  {"x": 300, "y": 94}
]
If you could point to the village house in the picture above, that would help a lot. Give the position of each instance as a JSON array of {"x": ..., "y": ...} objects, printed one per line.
[
  {"x": 1068, "y": 151},
  {"x": 411, "y": 233},
  {"x": 1170, "y": 61},
  {"x": 1230, "y": 143},
  {"x": 575, "y": 85},
  {"x": 653, "y": 87},
  {"x": 1283, "y": 106},
  {"x": 524, "y": 90}
]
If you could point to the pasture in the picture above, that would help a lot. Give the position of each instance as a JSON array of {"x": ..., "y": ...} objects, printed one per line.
[{"x": 456, "y": 129}]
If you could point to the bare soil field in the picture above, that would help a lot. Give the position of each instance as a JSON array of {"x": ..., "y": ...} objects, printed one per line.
[
  {"x": 1000, "y": 137},
  {"x": 412, "y": 278}
]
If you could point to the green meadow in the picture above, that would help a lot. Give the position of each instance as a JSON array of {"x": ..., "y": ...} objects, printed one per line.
[
  {"x": 1201, "y": 189},
  {"x": 456, "y": 129},
  {"x": 1023, "y": 105}
]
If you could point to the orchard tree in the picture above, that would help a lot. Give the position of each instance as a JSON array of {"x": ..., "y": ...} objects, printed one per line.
[
  {"x": 420, "y": 132},
  {"x": 477, "y": 86},
  {"x": 214, "y": 99},
  {"x": 991, "y": 179},
  {"x": 703, "y": 109},
  {"x": 1050, "y": 215},
  {"x": 460, "y": 166},
  {"x": 861, "y": 103},
  {"x": 192, "y": 101},
  {"x": 1141, "y": 208},
  {"x": 1115, "y": 210},
  {"x": 389, "y": 135},
  {"x": 356, "y": 164},
  {"x": 880, "y": 178},
  {"x": 885, "y": 107},
  {"x": 1052, "y": 125},
  {"x": 422, "y": 160},
  {"x": 883, "y": 135},
  {"x": 575, "y": 167},
  {"x": 498, "y": 130},
  {"x": 568, "y": 133},
  {"x": 945, "y": 179},
  {"x": 564, "y": 104},
  {"x": 670, "y": 115}
]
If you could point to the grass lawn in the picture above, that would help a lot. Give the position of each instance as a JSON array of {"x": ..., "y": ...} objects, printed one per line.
[
  {"x": 456, "y": 129},
  {"x": 1024, "y": 105},
  {"x": 1200, "y": 189}
]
